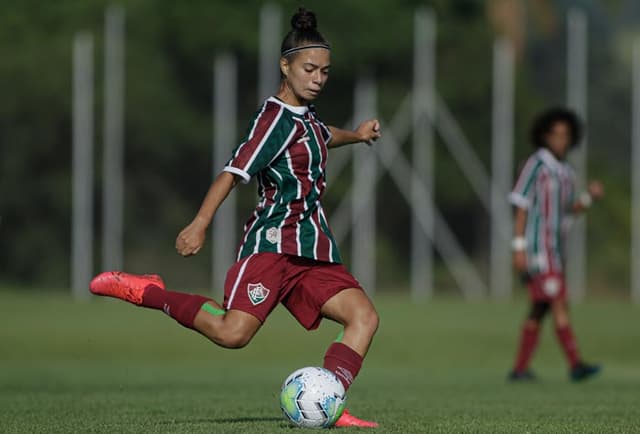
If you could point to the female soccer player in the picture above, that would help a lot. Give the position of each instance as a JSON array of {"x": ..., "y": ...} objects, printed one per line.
[
  {"x": 288, "y": 254},
  {"x": 545, "y": 201}
]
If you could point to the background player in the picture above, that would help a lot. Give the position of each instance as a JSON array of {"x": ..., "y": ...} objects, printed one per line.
[
  {"x": 545, "y": 201},
  {"x": 288, "y": 254}
]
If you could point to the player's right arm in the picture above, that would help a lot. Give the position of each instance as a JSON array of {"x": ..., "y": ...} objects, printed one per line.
[
  {"x": 191, "y": 238},
  {"x": 519, "y": 240},
  {"x": 268, "y": 136},
  {"x": 522, "y": 197}
]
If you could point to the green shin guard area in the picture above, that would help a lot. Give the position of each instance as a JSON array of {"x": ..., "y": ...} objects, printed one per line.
[{"x": 212, "y": 310}]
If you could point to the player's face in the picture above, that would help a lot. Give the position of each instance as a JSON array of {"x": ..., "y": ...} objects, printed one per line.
[
  {"x": 558, "y": 139},
  {"x": 307, "y": 72}
]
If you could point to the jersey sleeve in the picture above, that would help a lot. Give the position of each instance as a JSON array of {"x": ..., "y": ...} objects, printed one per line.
[
  {"x": 324, "y": 129},
  {"x": 268, "y": 136},
  {"x": 326, "y": 133},
  {"x": 524, "y": 191}
]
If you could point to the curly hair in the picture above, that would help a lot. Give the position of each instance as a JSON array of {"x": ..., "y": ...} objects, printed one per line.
[{"x": 547, "y": 119}]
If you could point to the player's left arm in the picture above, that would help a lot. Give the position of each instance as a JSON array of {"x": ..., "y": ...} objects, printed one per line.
[
  {"x": 367, "y": 132},
  {"x": 595, "y": 191}
]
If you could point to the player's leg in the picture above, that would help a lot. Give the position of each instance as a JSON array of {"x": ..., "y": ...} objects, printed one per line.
[
  {"x": 323, "y": 290},
  {"x": 320, "y": 293},
  {"x": 529, "y": 336},
  {"x": 578, "y": 370},
  {"x": 229, "y": 329},
  {"x": 233, "y": 329},
  {"x": 353, "y": 309},
  {"x": 564, "y": 331},
  {"x": 247, "y": 301},
  {"x": 314, "y": 298},
  {"x": 530, "y": 330},
  {"x": 560, "y": 312}
]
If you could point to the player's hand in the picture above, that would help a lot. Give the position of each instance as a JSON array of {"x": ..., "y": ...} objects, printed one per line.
[
  {"x": 369, "y": 131},
  {"x": 520, "y": 261},
  {"x": 191, "y": 239},
  {"x": 596, "y": 190}
]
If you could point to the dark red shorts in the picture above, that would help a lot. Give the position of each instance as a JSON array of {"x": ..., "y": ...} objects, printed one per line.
[
  {"x": 547, "y": 287},
  {"x": 257, "y": 283}
]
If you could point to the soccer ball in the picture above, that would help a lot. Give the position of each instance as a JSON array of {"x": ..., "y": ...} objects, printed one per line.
[{"x": 312, "y": 397}]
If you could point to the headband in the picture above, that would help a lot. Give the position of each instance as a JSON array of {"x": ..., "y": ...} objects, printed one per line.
[{"x": 285, "y": 53}]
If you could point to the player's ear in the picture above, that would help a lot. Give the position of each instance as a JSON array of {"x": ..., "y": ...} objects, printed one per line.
[{"x": 284, "y": 66}]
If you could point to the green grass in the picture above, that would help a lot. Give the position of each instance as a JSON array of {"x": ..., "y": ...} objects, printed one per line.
[{"x": 105, "y": 366}]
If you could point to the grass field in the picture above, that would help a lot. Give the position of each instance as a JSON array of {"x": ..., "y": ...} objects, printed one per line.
[{"x": 105, "y": 366}]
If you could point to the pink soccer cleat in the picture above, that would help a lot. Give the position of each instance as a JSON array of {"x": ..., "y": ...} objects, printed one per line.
[
  {"x": 347, "y": 420},
  {"x": 125, "y": 286}
]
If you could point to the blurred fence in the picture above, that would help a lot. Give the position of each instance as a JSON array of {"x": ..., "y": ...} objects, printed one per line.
[{"x": 423, "y": 118}]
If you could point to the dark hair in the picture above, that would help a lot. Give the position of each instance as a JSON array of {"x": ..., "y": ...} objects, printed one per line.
[
  {"x": 547, "y": 119},
  {"x": 304, "y": 30}
]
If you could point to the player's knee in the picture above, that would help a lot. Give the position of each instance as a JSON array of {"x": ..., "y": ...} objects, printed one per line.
[
  {"x": 367, "y": 319},
  {"x": 374, "y": 320},
  {"x": 232, "y": 335},
  {"x": 538, "y": 311},
  {"x": 237, "y": 342},
  {"x": 560, "y": 314},
  {"x": 234, "y": 339}
]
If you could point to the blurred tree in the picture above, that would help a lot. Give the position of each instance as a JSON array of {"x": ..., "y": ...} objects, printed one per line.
[{"x": 169, "y": 53}]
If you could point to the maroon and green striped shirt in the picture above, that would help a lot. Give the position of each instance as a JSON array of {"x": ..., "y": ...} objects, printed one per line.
[
  {"x": 545, "y": 188},
  {"x": 286, "y": 150}
]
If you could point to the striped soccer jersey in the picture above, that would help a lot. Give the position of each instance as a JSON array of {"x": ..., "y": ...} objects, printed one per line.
[
  {"x": 545, "y": 188},
  {"x": 286, "y": 150}
]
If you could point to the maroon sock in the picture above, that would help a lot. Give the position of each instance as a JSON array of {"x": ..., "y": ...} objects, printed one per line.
[
  {"x": 568, "y": 342},
  {"x": 344, "y": 362},
  {"x": 178, "y": 305},
  {"x": 528, "y": 343}
]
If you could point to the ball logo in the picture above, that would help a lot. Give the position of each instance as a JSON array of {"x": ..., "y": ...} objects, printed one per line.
[{"x": 257, "y": 293}]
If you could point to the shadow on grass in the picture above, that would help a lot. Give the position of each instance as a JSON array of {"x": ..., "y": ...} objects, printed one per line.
[
  {"x": 223, "y": 420},
  {"x": 247, "y": 419}
]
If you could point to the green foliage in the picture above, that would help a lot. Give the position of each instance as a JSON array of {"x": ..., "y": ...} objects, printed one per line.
[{"x": 170, "y": 48}]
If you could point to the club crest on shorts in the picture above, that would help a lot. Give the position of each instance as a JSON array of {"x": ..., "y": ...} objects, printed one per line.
[
  {"x": 257, "y": 293},
  {"x": 551, "y": 286}
]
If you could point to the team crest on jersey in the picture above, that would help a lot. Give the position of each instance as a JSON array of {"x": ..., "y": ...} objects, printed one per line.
[
  {"x": 273, "y": 235},
  {"x": 257, "y": 293}
]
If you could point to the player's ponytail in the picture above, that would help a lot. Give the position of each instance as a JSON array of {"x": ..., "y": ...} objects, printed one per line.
[{"x": 303, "y": 34}]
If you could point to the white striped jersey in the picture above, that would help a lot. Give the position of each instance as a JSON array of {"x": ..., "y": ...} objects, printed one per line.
[
  {"x": 546, "y": 189},
  {"x": 286, "y": 150}
]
